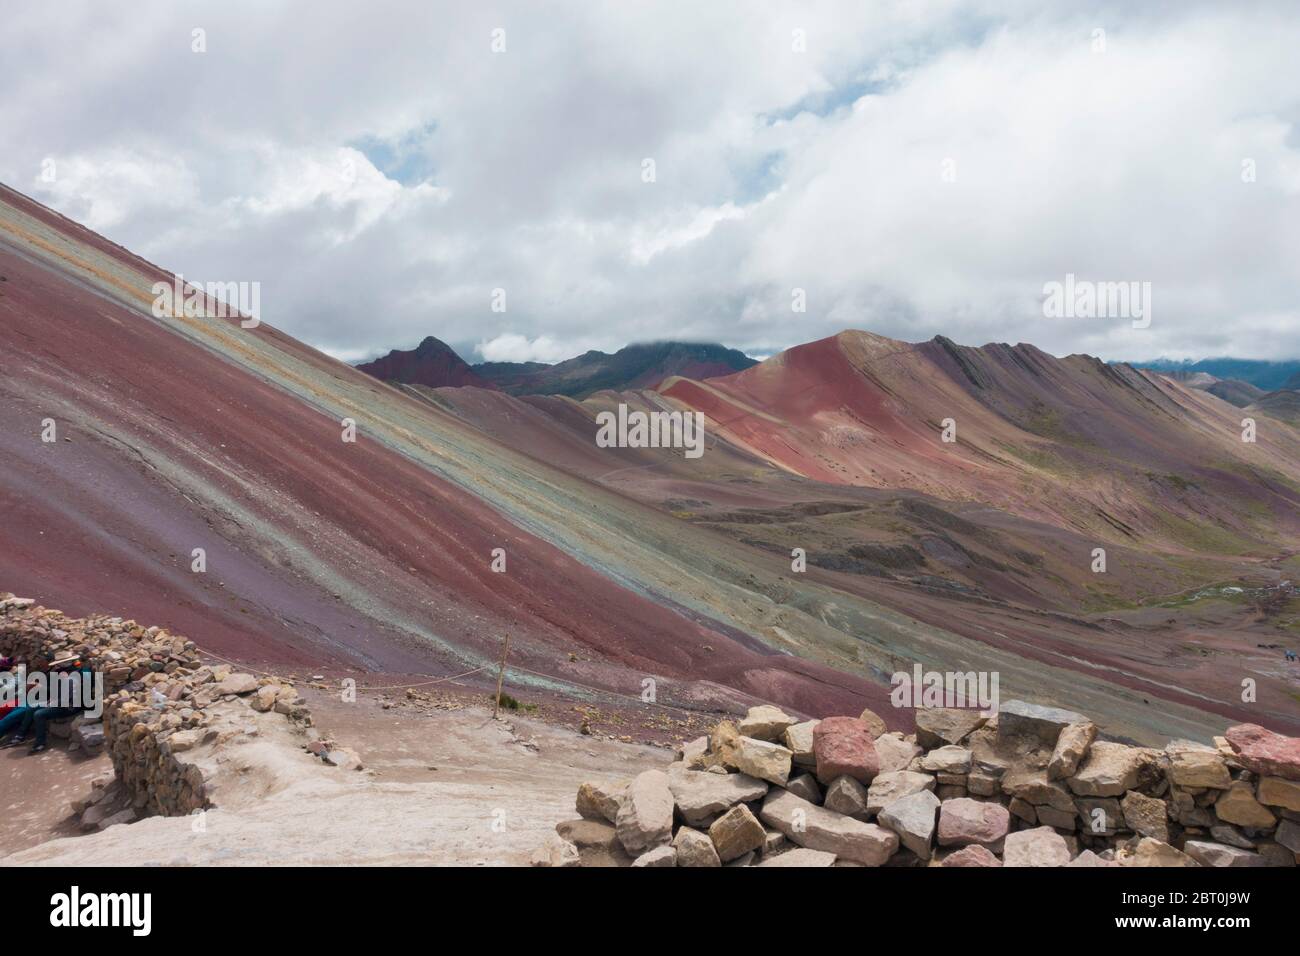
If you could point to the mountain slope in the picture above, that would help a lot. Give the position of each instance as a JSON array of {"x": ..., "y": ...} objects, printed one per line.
[
  {"x": 1107, "y": 451},
  {"x": 192, "y": 432}
]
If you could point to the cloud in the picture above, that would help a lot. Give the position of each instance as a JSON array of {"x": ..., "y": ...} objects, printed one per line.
[
  {"x": 509, "y": 347},
  {"x": 915, "y": 169}
]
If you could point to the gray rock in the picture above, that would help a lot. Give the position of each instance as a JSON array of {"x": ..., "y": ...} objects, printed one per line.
[
  {"x": 817, "y": 828},
  {"x": 1016, "y": 718},
  {"x": 845, "y": 795},
  {"x": 806, "y": 787},
  {"x": 700, "y": 797},
  {"x": 1041, "y": 846},
  {"x": 659, "y": 856},
  {"x": 888, "y": 787},
  {"x": 695, "y": 849},
  {"x": 913, "y": 819},
  {"x": 800, "y": 856},
  {"x": 937, "y": 726},
  {"x": 1220, "y": 855},
  {"x": 645, "y": 815}
]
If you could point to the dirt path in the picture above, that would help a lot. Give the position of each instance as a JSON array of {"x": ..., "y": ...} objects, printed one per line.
[{"x": 448, "y": 787}]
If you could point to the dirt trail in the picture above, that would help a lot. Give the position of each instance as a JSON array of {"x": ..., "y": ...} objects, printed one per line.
[{"x": 451, "y": 787}]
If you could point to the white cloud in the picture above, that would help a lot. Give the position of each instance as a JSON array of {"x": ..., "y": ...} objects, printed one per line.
[
  {"x": 774, "y": 168},
  {"x": 509, "y": 347}
]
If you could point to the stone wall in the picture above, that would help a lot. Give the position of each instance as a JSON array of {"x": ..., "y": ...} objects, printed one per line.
[
  {"x": 1031, "y": 786},
  {"x": 158, "y": 692}
]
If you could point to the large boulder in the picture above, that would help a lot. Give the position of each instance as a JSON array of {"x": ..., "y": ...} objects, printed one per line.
[
  {"x": 1041, "y": 846},
  {"x": 1016, "y": 718},
  {"x": 964, "y": 821},
  {"x": 816, "y": 828},
  {"x": 765, "y": 722},
  {"x": 589, "y": 834},
  {"x": 1071, "y": 747},
  {"x": 1151, "y": 852},
  {"x": 1033, "y": 787},
  {"x": 1265, "y": 752},
  {"x": 913, "y": 819},
  {"x": 875, "y": 723},
  {"x": 736, "y": 832},
  {"x": 895, "y": 752},
  {"x": 758, "y": 758},
  {"x": 237, "y": 684},
  {"x": 1216, "y": 854},
  {"x": 888, "y": 787},
  {"x": 1101, "y": 815},
  {"x": 645, "y": 815},
  {"x": 1146, "y": 816},
  {"x": 974, "y": 855},
  {"x": 1288, "y": 835},
  {"x": 805, "y": 786},
  {"x": 843, "y": 747},
  {"x": 845, "y": 795},
  {"x": 1110, "y": 770},
  {"x": 950, "y": 759},
  {"x": 701, "y": 796},
  {"x": 1197, "y": 767},
  {"x": 659, "y": 856},
  {"x": 1277, "y": 792},
  {"x": 798, "y": 739},
  {"x": 599, "y": 800},
  {"x": 938, "y": 726},
  {"x": 695, "y": 849},
  {"x": 1238, "y": 805}
]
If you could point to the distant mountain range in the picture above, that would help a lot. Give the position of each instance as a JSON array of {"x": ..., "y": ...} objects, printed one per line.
[
  {"x": 435, "y": 364},
  {"x": 1266, "y": 376}
]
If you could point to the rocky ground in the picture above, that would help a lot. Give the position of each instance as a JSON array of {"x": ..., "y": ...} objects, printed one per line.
[
  {"x": 439, "y": 786},
  {"x": 1028, "y": 786}
]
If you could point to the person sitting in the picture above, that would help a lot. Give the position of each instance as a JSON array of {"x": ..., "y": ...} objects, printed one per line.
[
  {"x": 36, "y": 720},
  {"x": 15, "y": 716},
  {"x": 42, "y": 716}
]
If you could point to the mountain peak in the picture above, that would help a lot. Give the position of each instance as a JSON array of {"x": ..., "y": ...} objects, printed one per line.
[{"x": 432, "y": 363}]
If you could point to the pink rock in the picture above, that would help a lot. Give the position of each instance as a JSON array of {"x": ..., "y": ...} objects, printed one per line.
[
  {"x": 964, "y": 821},
  {"x": 843, "y": 747},
  {"x": 972, "y": 856},
  {"x": 1265, "y": 752}
]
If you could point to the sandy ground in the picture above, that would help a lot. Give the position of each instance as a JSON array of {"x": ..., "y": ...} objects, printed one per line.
[
  {"x": 449, "y": 787},
  {"x": 37, "y": 790}
]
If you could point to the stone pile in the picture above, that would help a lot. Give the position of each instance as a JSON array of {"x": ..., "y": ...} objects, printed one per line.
[
  {"x": 1031, "y": 786},
  {"x": 158, "y": 700}
]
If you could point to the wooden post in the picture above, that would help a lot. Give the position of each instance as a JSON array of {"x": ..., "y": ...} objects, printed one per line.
[{"x": 501, "y": 674}]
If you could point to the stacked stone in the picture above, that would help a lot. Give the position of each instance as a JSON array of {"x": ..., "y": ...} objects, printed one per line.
[
  {"x": 1032, "y": 786},
  {"x": 157, "y": 694}
]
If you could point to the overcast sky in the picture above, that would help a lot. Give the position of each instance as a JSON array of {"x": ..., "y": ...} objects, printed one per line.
[{"x": 916, "y": 168}]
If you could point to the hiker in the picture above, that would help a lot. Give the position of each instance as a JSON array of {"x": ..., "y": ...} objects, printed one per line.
[
  {"x": 14, "y": 715},
  {"x": 26, "y": 720},
  {"x": 41, "y": 716},
  {"x": 8, "y": 686}
]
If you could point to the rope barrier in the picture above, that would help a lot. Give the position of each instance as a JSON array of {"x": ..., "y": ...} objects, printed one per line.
[{"x": 455, "y": 677}]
